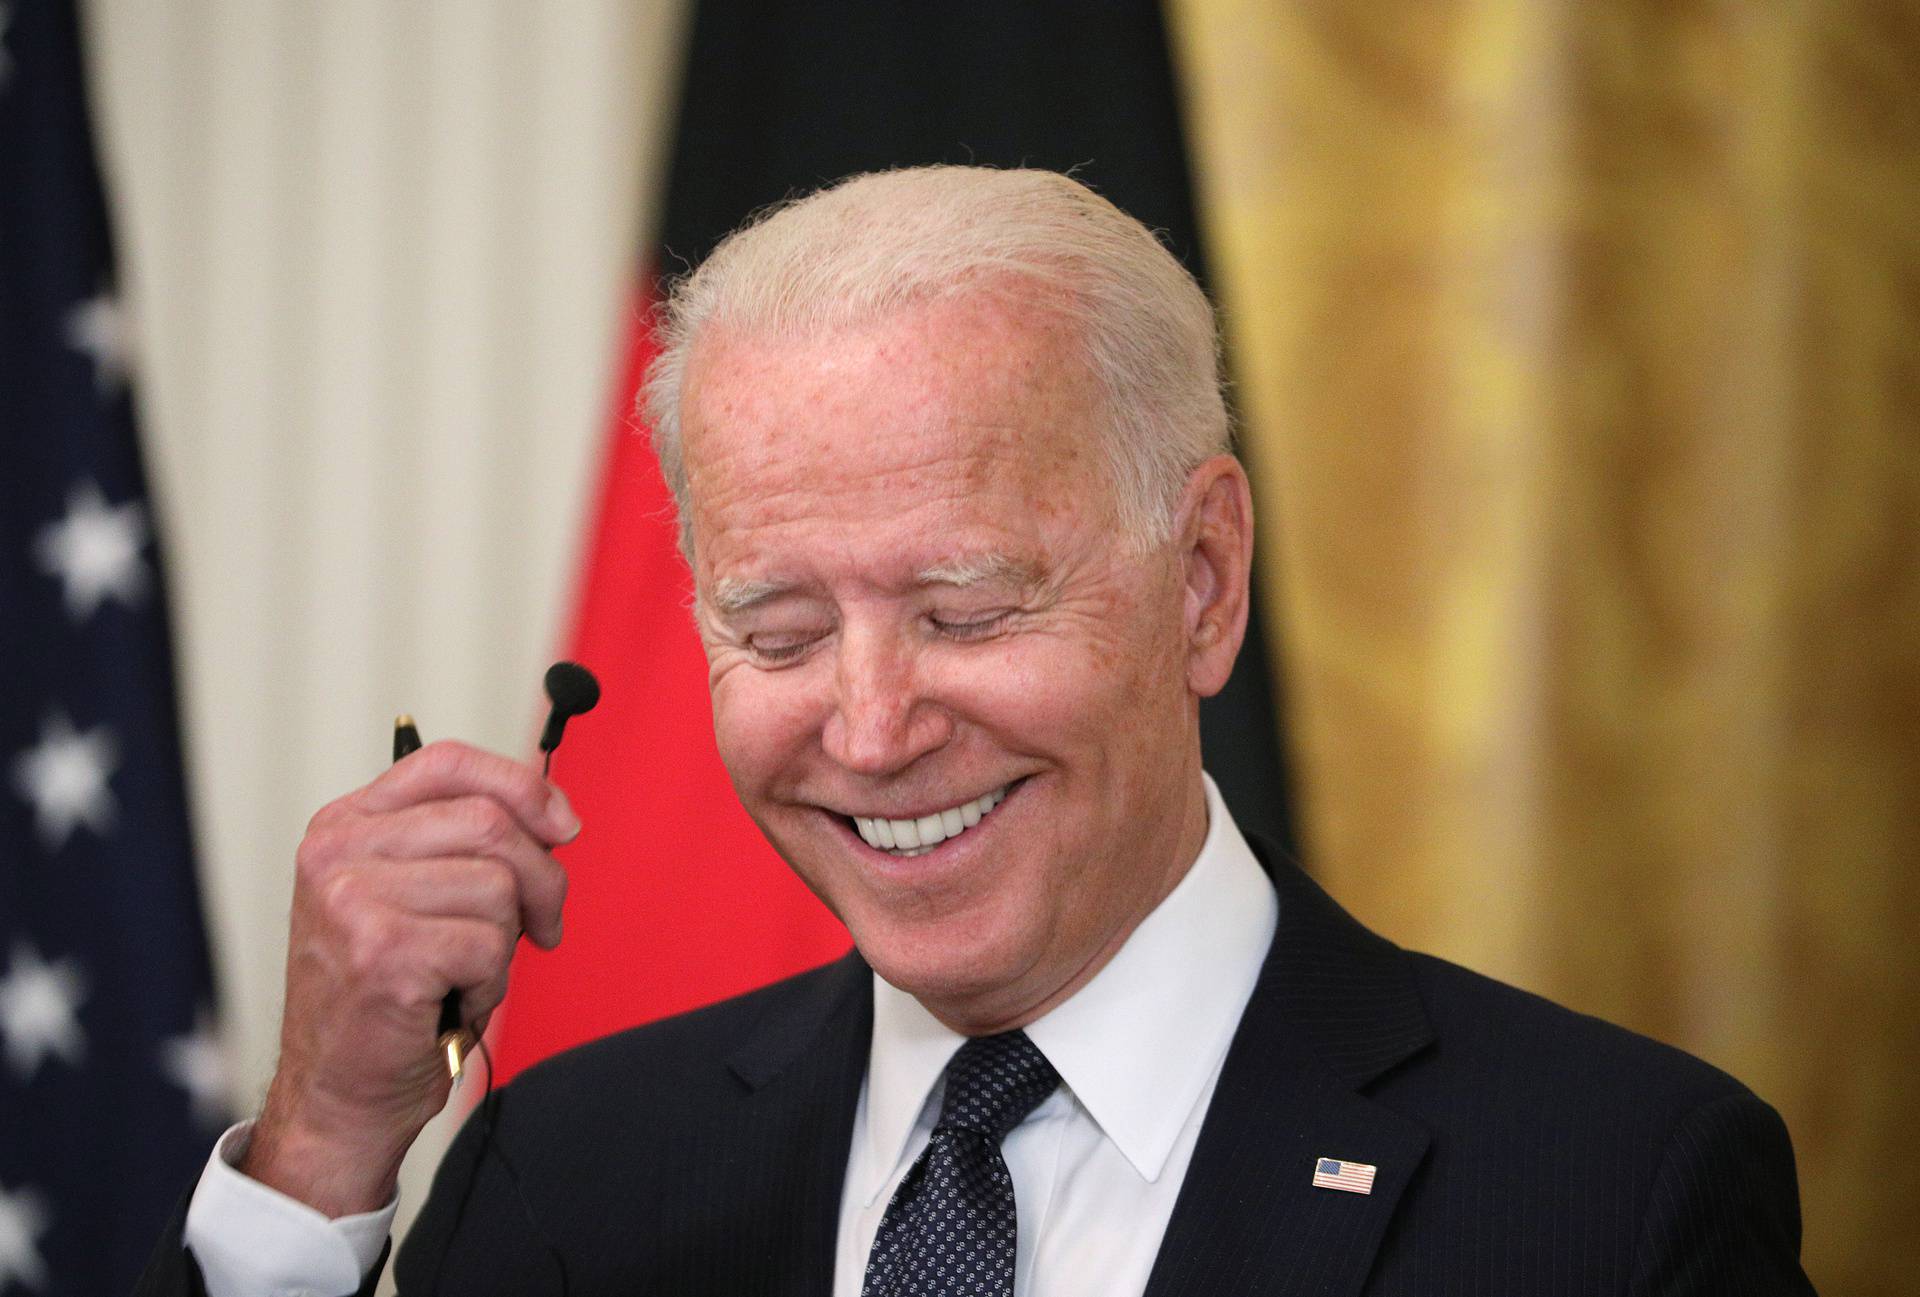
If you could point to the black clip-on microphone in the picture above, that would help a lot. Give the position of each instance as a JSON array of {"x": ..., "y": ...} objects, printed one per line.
[{"x": 573, "y": 690}]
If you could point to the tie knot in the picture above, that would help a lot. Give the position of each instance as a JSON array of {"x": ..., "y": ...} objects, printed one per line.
[{"x": 994, "y": 1082}]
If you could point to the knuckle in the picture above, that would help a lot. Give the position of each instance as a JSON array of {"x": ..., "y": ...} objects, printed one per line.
[
  {"x": 488, "y": 822},
  {"x": 326, "y": 815},
  {"x": 321, "y": 846},
  {"x": 478, "y": 953},
  {"x": 369, "y": 943},
  {"x": 449, "y": 758},
  {"x": 309, "y": 858},
  {"x": 498, "y": 892},
  {"x": 344, "y": 895},
  {"x": 524, "y": 789}
]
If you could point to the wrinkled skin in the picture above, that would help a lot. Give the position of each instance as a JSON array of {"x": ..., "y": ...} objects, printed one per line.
[
  {"x": 419, "y": 882},
  {"x": 838, "y": 484}
]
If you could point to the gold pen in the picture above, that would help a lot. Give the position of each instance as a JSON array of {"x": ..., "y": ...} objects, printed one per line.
[{"x": 455, "y": 1039}]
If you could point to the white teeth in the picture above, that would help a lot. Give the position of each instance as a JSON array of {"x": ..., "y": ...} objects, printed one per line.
[{"x": 918, "y": 836}]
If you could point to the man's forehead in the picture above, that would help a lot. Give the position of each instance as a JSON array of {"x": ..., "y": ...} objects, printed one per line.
[
  {"x": 885, "y": 453},
  {"x": 968, "y": 340},
  {"x": 747, "y": 443}
]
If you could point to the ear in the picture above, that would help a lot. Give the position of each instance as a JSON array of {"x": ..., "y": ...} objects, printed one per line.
[{"x": 1215, "y": 526}]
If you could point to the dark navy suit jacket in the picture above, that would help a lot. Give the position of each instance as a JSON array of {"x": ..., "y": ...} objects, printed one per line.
[{"x": 1522, "y": 1149}]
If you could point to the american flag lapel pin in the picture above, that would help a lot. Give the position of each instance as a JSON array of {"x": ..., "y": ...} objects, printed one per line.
[{"x": 1350, "y": 1177}]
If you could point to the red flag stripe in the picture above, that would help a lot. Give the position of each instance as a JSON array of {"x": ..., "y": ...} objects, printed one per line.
[{"x": 676, "y": 900}]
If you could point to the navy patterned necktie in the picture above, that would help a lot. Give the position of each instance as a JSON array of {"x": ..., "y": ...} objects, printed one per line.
[{"x": 950, "y": 1228}]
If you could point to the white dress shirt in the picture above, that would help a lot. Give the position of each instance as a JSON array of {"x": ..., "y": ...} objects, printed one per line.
[
  {"x": 1096, "y": 1167},
  {"x": 252, "y": 1241}
]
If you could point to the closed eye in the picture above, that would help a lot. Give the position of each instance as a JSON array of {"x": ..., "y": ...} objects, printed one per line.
[
  {"x": 777, "y": 650},
  {"x": 971, "y": 628}
]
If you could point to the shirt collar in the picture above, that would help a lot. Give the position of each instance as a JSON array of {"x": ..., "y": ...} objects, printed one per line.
[{"x": 1139, "y": 1043}]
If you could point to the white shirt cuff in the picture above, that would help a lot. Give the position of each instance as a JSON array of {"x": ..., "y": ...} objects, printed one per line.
[{"x": 253, "y": 1241}]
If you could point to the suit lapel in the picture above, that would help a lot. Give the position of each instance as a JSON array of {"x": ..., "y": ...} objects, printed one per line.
[
  {"x": 1334, "y": 1009},
  {"x": 803, "y": 1070}
]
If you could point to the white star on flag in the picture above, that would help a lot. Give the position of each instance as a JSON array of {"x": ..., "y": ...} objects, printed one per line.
[
  {"x": 39, "y": 1011},
  {"x": 195, "y": 1063},
  {"x": 65, "y": 778},
  {"x": 95, "y": 551},
  {"x": 23, "y": 1218},
  {"x": 98, "y": 327}
]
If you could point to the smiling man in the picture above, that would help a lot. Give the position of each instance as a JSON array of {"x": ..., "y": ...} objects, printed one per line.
[
  {"x": 919, "y": 600},
  {"x": 968, "y": 549}
]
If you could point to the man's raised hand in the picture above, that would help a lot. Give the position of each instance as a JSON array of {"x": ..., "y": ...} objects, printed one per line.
[{"x": 419, "y": 883}]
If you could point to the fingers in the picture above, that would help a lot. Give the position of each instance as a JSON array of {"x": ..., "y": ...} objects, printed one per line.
[
  {"x": 416, "y": 884},
  {"x": 445, "y": 924},
  {"x": 471, "y": 955},
  {"x": 477, "y": 826},
  {"x": 454, "y": 887},
  {"x": 402, "y": 954},
  {"x": 451, "y": 769},
  {"x": 450, "y": 799}
]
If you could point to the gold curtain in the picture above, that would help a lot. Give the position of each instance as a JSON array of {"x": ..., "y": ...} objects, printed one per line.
[{"x": 1576, "y": 349}]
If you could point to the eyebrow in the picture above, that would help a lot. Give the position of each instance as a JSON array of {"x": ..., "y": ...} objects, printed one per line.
[
  {"x": 733, "y": 595},
  {"x": 977, "y": 569}
]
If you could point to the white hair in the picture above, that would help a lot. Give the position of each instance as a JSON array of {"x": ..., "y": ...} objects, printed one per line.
[{"x": 875, "y": 243}]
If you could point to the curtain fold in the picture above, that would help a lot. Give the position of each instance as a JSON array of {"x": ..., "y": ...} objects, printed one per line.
[{"x": 1577, "y": 355}]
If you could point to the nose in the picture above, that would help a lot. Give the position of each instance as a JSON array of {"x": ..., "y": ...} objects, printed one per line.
[{"x": 882, "y": 721}]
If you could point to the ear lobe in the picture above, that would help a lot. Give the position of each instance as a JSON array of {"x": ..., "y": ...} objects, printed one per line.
[{"x": 1217, "y": 529}]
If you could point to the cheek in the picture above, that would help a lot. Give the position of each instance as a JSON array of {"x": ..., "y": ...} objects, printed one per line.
[
  {"x": 760, "y": 720},
  {"x": 1111, "y": 661},
  {"x": 1072, "y": 698}
]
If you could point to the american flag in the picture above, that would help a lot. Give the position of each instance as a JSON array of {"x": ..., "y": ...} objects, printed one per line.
[
  {"x": 1332, "y": 1173},
  {"x": 110, "y": 1080}
]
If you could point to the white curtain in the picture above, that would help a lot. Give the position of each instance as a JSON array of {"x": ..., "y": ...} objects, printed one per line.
[{"x": 378, "y": 257}]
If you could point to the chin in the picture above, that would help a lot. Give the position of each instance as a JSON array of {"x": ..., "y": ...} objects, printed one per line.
[
  {"x": 932, "y": 964},
  {"x": 936, "y": 968}
]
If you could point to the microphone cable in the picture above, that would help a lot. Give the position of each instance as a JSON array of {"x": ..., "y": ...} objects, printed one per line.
[{"x": 488, "y": 1110}]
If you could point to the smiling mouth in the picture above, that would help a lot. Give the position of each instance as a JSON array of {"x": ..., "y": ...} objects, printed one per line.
[{"x": 918, "y": 836}]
